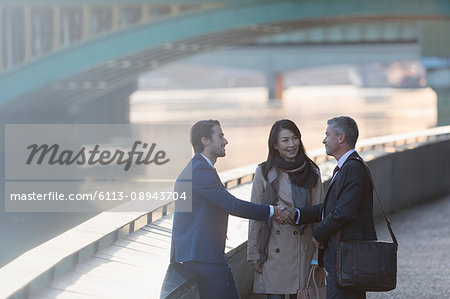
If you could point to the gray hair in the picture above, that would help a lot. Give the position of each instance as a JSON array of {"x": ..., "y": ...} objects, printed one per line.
[{"x": 346, "y": 125}]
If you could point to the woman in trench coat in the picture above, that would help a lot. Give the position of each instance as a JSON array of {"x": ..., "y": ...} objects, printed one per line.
[{"x": 282, "y": 254}]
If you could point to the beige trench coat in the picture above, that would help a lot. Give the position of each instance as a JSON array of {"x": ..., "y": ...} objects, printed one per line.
[{"x": 289, "y": 252}]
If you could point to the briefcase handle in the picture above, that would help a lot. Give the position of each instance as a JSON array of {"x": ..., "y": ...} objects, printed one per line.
[{"x": 388, "y": 223}]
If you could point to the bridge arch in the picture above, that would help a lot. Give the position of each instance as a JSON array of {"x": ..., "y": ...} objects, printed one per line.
[{"x": 122, "y": 56}]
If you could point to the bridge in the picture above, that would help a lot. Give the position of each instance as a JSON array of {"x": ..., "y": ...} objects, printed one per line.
[
  {"x": 278, "y": 57},
  {"x": 118, "y": 255},
  {"x": 81, "y": 59}
]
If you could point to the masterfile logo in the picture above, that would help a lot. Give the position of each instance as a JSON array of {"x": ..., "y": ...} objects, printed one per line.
[
  {"x": 85, "y": 168},
  {"x": 53, "y": 155},
  {"x": 77, "y": 152}
]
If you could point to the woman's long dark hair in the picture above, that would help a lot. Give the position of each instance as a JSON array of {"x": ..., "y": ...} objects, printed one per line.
[{"x": 273, "y": 138}]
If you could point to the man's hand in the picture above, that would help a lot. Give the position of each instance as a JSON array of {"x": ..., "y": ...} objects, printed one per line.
[
  {"x": 258, "y": 267},
  {"x": 317, "y": 244},
  {"x": 284, "y": 215}
]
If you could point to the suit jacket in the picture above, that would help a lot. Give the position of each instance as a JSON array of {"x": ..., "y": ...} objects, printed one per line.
[
  {"x": 348, "y": 206},
  {"x": 200, "y": 235}
]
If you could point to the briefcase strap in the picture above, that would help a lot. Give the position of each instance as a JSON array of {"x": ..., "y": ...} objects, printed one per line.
[{"x": 388, "y": 223}]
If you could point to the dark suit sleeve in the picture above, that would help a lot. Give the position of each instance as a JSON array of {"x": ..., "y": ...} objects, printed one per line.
[
  {"x": 206, "y": 184},
  {"x": 311, "y": 214},
  {"x": 350, "y": 184}
]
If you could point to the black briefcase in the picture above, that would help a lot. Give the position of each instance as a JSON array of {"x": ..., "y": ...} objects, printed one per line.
[{"x": 369, "y": 265}]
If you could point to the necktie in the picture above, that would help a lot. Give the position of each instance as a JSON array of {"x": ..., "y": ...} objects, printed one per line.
[{"x": 336, "y": 169}]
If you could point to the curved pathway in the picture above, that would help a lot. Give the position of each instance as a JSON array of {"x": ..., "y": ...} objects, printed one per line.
[{"x": 423, "y": 233}]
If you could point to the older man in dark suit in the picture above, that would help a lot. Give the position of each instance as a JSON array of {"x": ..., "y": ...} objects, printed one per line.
[
  {"x": 198, "y": 237},
  {"x": 347, "y": 206}
]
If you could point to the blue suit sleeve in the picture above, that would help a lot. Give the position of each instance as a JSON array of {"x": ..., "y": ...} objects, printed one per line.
[{"x": 206, "y": 185}]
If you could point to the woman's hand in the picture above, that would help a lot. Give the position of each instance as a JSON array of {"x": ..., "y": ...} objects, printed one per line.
[{"x": 258, "y": 267}]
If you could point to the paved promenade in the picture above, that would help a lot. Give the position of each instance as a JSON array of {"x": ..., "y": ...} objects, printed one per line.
[{"x": 423, "y": 233}]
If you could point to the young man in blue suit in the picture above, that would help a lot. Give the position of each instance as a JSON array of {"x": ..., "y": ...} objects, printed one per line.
[
  {"x": 198, "y": 237},
  {"x": 347, "y": 206}
]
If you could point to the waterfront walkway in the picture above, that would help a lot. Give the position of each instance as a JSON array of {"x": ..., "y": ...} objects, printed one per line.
[
  {"x": 423, "y": 233},
  {"x": 135, "y": 265},
  {"x": 117, "y": 255}
]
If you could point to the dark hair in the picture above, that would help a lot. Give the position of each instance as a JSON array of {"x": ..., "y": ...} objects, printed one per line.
[
  {"x": 346, "y": 125},
  {"x": 273, "y": 138},
  {"x": 202, "y": 128}
]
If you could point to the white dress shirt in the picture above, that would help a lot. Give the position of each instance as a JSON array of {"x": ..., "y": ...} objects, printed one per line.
[{"x": 342, "y": 161}]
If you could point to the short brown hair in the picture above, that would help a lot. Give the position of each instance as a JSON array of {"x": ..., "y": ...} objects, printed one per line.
[{"x": 202, "y": 128}]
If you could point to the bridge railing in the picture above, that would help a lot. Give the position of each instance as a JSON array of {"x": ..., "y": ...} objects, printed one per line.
[
  {"x": 44, "y": 28},
  {"x": 39, "y": 266}
]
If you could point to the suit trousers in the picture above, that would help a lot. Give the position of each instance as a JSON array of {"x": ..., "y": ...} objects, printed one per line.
[
  {"x": 333, "y": 290},
  {"x": 215, "y": 280}
]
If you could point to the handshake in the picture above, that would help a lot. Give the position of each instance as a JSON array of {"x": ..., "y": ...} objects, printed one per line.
[{"x": 284, "y": 215}]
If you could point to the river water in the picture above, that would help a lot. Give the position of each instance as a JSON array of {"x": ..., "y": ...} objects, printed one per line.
[{"x": 246, "y": 115}]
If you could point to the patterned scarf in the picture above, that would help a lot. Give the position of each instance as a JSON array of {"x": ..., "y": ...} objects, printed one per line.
[{"x": 301, "y": 172}]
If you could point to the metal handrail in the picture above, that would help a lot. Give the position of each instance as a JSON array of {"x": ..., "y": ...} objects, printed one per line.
[{"x": 395, "y": 143}]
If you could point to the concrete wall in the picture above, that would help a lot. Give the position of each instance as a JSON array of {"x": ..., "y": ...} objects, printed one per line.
[
  {"x": 412, "y": 176},
  {"x": 242, "y": 270},
  {"x": 402, "y": 179}
]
